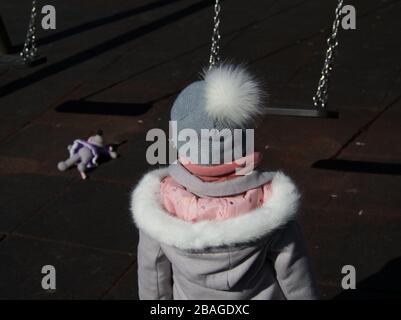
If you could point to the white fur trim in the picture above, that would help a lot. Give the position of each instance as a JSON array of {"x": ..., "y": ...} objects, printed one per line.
[
  {"x": 232, "y": 95},
  {"x": 150, "y": 216}
]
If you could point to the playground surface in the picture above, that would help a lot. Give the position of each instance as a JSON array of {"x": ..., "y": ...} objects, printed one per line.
[{"x": 118, "y": 65}]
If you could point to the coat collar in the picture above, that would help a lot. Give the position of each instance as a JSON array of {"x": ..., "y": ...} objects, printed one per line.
[{"x": 150, "y": 216}]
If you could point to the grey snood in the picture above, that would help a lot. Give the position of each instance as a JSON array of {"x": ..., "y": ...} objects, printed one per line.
[{"x": 218, "y": 189}]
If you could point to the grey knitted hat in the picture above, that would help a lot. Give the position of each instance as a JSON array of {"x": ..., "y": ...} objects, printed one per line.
[{"x": 225, "y": 103}]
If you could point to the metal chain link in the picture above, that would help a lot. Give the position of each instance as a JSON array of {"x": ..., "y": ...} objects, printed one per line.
[
  {"x": 321, "y": 97},
  {"x": 30, "y": 51},
  {"x": 215, "y": 49}
]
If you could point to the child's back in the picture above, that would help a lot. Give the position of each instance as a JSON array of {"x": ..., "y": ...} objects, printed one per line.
[{"x": 219, "y": 231}]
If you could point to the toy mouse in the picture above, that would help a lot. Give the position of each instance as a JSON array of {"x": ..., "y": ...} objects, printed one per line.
[{"x": 86, "y": 154}]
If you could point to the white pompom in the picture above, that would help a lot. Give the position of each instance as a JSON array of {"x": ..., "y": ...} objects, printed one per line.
[{"x": 233, "y": 96}]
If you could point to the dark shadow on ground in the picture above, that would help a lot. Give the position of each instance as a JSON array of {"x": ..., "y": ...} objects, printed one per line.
[
  {"x": 103, "y": 108},
  {"x": 83, "y": 106},
  {"x": 385, "y": 284},
  {"x": 359, "y": 166},
  {"x": 99, "y": 49},
  {"x": 102, "y": 22}
]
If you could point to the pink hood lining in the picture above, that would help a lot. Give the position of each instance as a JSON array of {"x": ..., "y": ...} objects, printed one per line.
[{"x": 187, "y": 206}]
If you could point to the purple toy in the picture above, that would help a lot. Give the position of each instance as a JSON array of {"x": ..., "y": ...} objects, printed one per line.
[{"x": 85, "y": 154}]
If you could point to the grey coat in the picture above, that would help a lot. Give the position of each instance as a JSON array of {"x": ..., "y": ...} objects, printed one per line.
[{"x": 258, "y": 255}]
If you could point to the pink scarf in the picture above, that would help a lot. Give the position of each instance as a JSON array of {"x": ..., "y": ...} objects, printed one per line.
[{"x": 223, "y": 171}]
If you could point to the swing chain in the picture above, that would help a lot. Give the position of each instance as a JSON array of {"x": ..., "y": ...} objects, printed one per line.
[
  {"x": 30, "y": 51},
  {"x": 321, "y": 97},
  {"x": 215, "y": 49}
]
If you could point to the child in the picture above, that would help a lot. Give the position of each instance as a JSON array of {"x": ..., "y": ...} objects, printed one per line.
[{"x": 218, "y": 229}]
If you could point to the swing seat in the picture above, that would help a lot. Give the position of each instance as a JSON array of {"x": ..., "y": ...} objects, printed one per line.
[
  {"x": 17, "y": 61},
  {"x": 10, "y": 59},
  {"x": 302, "y": 112}
]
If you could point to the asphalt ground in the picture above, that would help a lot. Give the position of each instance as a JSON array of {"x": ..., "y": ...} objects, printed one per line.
[{"x": 118, "y": 65}]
